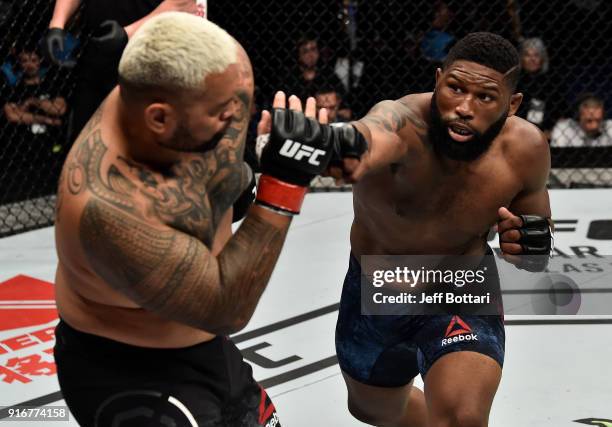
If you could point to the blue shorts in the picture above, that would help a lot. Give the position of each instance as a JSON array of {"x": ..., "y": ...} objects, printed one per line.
[{"x": 389, "y": 351}]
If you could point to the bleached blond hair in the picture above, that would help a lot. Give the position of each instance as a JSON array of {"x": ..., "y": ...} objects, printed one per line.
[{"x": 176, "y": 50}]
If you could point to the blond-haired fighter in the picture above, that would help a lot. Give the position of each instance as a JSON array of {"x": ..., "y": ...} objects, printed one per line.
[{"x": 150, "y": 279}]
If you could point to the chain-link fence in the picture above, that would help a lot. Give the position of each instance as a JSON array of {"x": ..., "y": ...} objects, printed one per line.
[
  {"x": 35, "y": 112},
  {"x": 350, "y": 54}
]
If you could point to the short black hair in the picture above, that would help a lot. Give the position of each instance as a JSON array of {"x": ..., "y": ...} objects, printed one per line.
[
  {"x": 306, "y": 38},
  {"x": 325, "y": 87},
  {"x": 490, "y": 50}
]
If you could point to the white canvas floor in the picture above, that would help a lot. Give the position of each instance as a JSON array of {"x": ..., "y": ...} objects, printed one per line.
[{"x": 557, "y": 370}]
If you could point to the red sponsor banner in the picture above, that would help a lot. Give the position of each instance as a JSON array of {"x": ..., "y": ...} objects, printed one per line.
[{"x": 26, "y": 302}]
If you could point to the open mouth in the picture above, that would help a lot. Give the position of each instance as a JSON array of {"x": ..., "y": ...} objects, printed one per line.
[{"x": 460, "y": 133}]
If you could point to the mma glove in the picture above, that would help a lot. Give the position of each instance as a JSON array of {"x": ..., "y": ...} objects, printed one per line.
[
  {"x": 351, "y": 144},
  {"x": 53, "y": 47},
  {"x": 536, "y": 242},
  {"x": 299, "y": 149},
  {"x": 109, "y": 40}
]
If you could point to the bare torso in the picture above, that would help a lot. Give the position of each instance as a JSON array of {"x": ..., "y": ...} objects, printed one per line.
[
  {"x": 426, "y": 205},
  {"x": 193, "y": 196}
]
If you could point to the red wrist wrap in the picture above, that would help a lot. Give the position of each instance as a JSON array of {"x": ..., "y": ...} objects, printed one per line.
[{"x": 279, "y": 194}]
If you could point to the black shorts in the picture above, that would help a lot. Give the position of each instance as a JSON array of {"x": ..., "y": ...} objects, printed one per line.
[
  {"x": 390, "y": 350},
  {"x": 105, "y": 382}
]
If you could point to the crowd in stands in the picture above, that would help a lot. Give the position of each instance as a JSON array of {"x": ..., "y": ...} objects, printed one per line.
[{"x": 349, "y": 56}]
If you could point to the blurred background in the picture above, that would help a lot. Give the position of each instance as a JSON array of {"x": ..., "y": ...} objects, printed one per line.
[{"x": 350, "y": 54}]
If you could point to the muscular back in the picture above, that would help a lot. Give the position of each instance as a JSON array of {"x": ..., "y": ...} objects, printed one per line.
[
  {"x": 129, "y": 237},
  {"x": 418, "y": 202}
]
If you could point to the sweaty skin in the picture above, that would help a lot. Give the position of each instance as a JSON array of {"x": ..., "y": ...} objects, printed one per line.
[
  {"x": 145, "y": 255},
  {"x": 410, "y": 200}
]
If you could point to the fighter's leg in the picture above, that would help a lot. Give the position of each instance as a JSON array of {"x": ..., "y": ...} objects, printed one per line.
[
  {"x": 462, "y": 359},
  {"x": 386, "y": 406},
  {"x": 459, "y": 389},
  {"x": 377, "y": 361}
]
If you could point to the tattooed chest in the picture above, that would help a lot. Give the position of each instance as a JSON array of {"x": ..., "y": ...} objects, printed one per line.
[
  {"x": 192, "y": 196},
  {"x": 195, "y": 199},
  {"x": 181, "y": 202}
]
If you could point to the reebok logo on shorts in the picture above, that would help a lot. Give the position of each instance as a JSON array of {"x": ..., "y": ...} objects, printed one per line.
[
  {"x": 458, "y": 331},
  {"x": 297, "y": 151}
]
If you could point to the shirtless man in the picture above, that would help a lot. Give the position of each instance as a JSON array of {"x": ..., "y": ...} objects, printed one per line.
[
  {"x": 150, "y": 279},
  {"x": 441, "y": 169}
]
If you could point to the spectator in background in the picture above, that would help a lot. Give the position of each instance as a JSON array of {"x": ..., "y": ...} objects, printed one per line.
[
  {"x": 589, "y": 129},
  {"x": 438, "y": 40},
  {"x": 537, "y": 86},
  {"x": 329, "y": 98},
  {"x": 33, "y": 102},
  {"x": 307, "y": 76},
  {"x": 11, "y": 69},
  {"x": 347, "y": 53},
  {"x": 33, "y": 112}
]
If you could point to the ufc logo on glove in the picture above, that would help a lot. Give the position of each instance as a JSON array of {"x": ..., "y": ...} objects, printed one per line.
[{"x": 297, "y": 151}]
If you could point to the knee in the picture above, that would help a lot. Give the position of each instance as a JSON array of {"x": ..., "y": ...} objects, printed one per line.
[
  {"x": 364, "y": 415},
  {"x": 463, "y": 417},
  {"x": 370, "y": 415}
]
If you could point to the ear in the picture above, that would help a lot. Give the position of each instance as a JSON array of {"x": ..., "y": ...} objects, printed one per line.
[
  {"x": 161, "y": 120},
  {"x": 515, "y": 103},
  {"x": 438, "y": 75}
]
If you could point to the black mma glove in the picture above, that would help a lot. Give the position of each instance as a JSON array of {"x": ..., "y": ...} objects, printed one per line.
[
  {"x": 536, "y": 242},
  {"x": 299, "y": 149},
  {"x": 108, "y": 41},
  {"x": 53, "y": 43},
  {"x": 350, "y": 142},
  {"x": 103, "y": 53}
]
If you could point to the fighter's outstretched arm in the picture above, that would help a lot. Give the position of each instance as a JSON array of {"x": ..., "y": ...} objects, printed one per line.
[{"x": 388, "y": 128}]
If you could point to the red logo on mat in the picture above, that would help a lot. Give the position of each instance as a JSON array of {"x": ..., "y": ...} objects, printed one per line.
[
  {"x": 26, "y": 301},
  {"x": 463, "y": 328}
]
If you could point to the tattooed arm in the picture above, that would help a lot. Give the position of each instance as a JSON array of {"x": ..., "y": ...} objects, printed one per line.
[
  {"x": 388, "y": 127},
  {"x": 174, "y": 274},
  {"x": 170, "y": 270}
]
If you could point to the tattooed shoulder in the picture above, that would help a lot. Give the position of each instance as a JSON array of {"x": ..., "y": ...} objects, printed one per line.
[
  {"x": 392, "y": 116},
  {"x": 192, "y": 197}
]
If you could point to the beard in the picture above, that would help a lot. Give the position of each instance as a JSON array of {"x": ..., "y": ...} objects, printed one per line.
[
  {"x": 445, "y": 145},
  {"x": 183, "y": 140}
]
